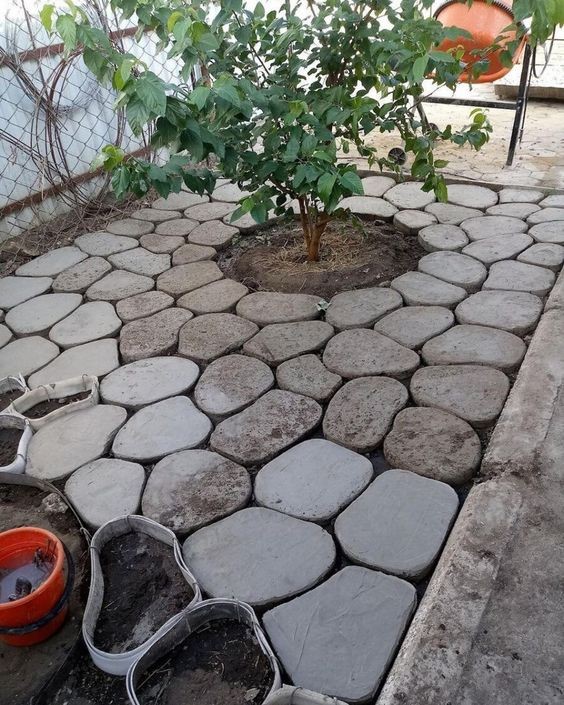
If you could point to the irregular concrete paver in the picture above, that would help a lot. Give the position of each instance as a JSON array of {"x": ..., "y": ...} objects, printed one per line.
[
  {"x": 192, "y": 253},
  {"x": 213, "y": 233},
  {"x": 367, "y": 205},
  {"x": 454, "y": 268},
  {"x": 178, "y": 227},
  {"x": 153, "y": 335},
  {"x": 519, "y": 276},
  {"x": 546, "y": 215},
  {"x": 217, "y": 297},
  {"x": 494, "y": 249},
  {"x": 103, "y": 244},
  {"x": 549, "y": 232},
  {"x": 377, "y": 185},
  {"x": 80, "y": 276},
  {"x": 544, "y": 254},
  {"x": 420, "y": 289},
  {"x": 179, "y": 201},
  {"x": 308, "y": 375},
  {"x": 96, "y": 358},
  {"x": 514, "y": 210},
  {"x": 520, "y": 195},
  {"x": 142, "y": 305},
  {"x": 514, "y": 311},
  {"x": 411, "y": 222},
  {"x": 279, "y": 342},
  {"x": 450, "y": 214},
  {"x": 471, "y": 196},
  {"x": 216, "y": 210},
  {"x": 39, "y": 314},
  {"x": 259, "y": 556},
  {"x": 361, "y": 308},
  {"x": 16, "y": 290},
  {"x": 154, "y": 215},
  {"x": 141, "y": 261},
  {"x": 214, "y": 334},
  {"x": 26, "y": 355},
  {"x": 91, "y": 321},
  {"x": 246, "y": 223},
  {"x": 119, "y": 285},
  {"x": 409, "y": 194},
  {"x": 130, "y": 227},
  {"x": 193, "y": 488},
  {"x": 187, "y": 277},
  {"x": 161, "y": 244},
  {"x": 436, "y": 238},
  {"x": 229, "y": 193},
  {"x": 264, "y": 307},
  {"x": 556, "y": 200},
  {"x": 5, "y": 335},
  {"x": 412, "y": 326},
  {"x": 490, "y": 225},
  {"x": 51, "y": 263}
]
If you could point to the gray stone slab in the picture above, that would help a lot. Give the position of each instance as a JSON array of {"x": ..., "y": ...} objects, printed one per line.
[
  {"x": 475, "y": 345},
  {"x": 546, "y": 215},
  {"x": 273, "y": 423},
  {"x": 398, "y": 524},
  {"x": 409, "y": 194},
  {"x": 179, "y": 201},
  {"x": 193, "y": 488},
  {"x": 39, "y": 314},
  {"x": 514, "y": 210},
  {"x": 279, "y": 342},
  {"x": 213, "y": 233},
  {"x": 556, "y": 200},
  {"x": 520, "y": 195},
  {"x": 154, "y": 215},
  {"x": 471, "y": 196},
  {"x": 141, "y": 261},
  {"x": 103, "y": 244},
  {"x": 361, "y": 308},
  {"x": 5, "y": 335},
  {"x": 51, "y": 263},
  {"x": 340, "y": 638},
  {"x": 436, "y": 238},
  {"x": 449, "y": 214},
  {"x": 490, "y": 225},
  {"x": 26, "y": 355},
  {"x": 91, "y": 321},
  {"x": 497, "y": 248},
  {"x": 179, "y": 227},
  {"x": 105, "y": 489},
  {"x": 246, "y": 223},
  {"x": 217, "y": 297},
  {"x": 130, "y": 227},
  {"x": 187, "y": 277},
  {"x": 308, "y": 375},
  {"x": 361, "y": 412},
  {"x": 153, "y": 335},
  {"x": 454, "y": 268},
  {"x": 435, "y": 444},
  {"x": 411, "y": 222},
  {"x": 549, "y": 232},
  {"x": 377, "y": 185},
  {"x": 161, "y": 244},
  {"x": 16, "y": 290},
  {"x": 259, "y": 556},
  {"x": 264, "y": 307},
  {"x": 142, "y": 305},
  {"x": 65, "y": 444},
  {"x": 80, "y": 276},
  {"x": 412, "y": 326},
  {"x": 119, "y": 285},
  {"x": 519, "y": 276},
  {"x": 229, "y": 193},
  {"x": 215, "y": 210},
  {"x": 514, "y": 311},
  {"x": 160, "y": 429},
  {"x": 193, "y": 253},
  {"x": 212, "y": 335},
  {"x": 420, "y": 289},
  {"x": 367, "y": 205},
  {"x": 362, "y": 353},
  {"x": 544, "y": 254}
]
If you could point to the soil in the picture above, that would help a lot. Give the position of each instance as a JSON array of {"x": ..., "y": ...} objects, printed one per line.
[
  {"x": 355, "y": 253},
  {"x": 9, "y": 440},
  {"x": 220, "y": 664},
  {"x": 6, "y": 398},
  {"x": 49, "y": 405},
  {"x": 143, "y": 588}
]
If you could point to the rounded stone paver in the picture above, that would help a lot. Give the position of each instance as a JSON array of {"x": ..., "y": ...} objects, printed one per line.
[
  {"x": 16, "y": 290},
  {"x": 448, "y": 214},
  {"x": 420, "y": 289},
  {"x": 217, "y": 297},
  {"x": 51, "y": 263},
  {"x": 475, "y": 345},
  {"x": 141, "y": 261},
  {"x": 146, "y": 381},
  {"x": 435, "y": 444},
  {"x": 39, "y": 314},
  {"x": 360, "y": 308},
  {"x": 518, "y": 195},
  {"x": 454, "y": 268},
  {"x": 556, "y": 201},
  {"x": 103, "y": 244},
  {"x": 514, "y": 210},
  {"x": 119, "y": 285},
  {"x": 264, "y": 307},
  {"x": 161, "y": 244},
  {"x": 290, "y": 483},
  {"x": 192, "y": 253},
  {"x": 279, "y": 342},
  {"x": 231, "y": 384},
  {"x": 193, "y": 488},
  {"x": 88, "y": 322},
  {"x": 154, "y": 215},
  {"x": 514, "y": 311},
  {"x": 229, "y": 193},
  {"x": 544, "y": 254},
  {"x": 377, "y": 185},
  {"x": 549, "y": 232},
  {"x": 412, "y": 326},
  {"x": 216, "y": 210},
  {"x": 308, "y": 375},
  {"x": 80, "y": 276},
  {"x": 259, "y": 556},
  {"x": 361, "y": 353},
  {"x": 367, "y": 205},
  {"x": 105, "y": 489},
  {"x": 215, "y": 334},
  {"x": 160, "y": 429},
  {"x": 497, "y": 248},
  {"x": 142, "y": 305},
  {"x": 361, "y": 413},
  {"x": 65, "y": 444},
  {"x": 246, "y": 223},
  {"x": 178, "y": 227},
  {"x": 492, "y": 225},
  {"x": 153, "y": 335},
  {"x": 471, "y": 196},
  {"x": 411, "y": 222},
  {"x": 187, "y": 277},
  {"x": 409, "y": 194},
  {"x": 26, "y": 355},
  {"x": 5, "y": 335},
  {"x": 399, "y": 524},
  {"x": 546, "y": 215},
  {"x": 130, "y": 227},
  {"x": 277, "y": 420},
  {"x": 519, "y": 276},
  {"x": 436, "y": 238},
  {"x": 179, "y": 201},
  {"x": 213, "y": 233}
]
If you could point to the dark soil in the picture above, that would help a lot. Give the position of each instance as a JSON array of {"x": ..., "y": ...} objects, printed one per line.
[
  {"x": 9, "y": 440},
  {"x": 6, "y": 398},
  {"x": 220, "y": 664},
  {"x": 143, "y": 588},
  {"x": 49, "y": 405}
]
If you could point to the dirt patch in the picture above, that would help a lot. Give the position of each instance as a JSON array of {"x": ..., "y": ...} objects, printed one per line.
[
  {"x": 9, "y": 440},
  {"x": 220, "y": 664},
  {"x": 49, "y": 405},
  {"x": 355, "y": 253},
  {"x": 6, "y": 398},
  {"x": 143, "y": 588}
]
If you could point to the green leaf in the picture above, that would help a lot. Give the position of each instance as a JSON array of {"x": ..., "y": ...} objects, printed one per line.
[
  {"x": 351, "y": 181},
  {"x": 419, "y": 67},
  {"x": 199, "y": 96},
  {"x": 137, "y": 114},
  {"x": 149, "y": 89},
  {"x": 325, "y": 186},
  {"x": 46, "y": 17},
  {"x": 173, "y": 19},
  {"x": 441, "y": 191},
  {"x": 120, "y": 181},
  {"x": 66, "y": 27}
]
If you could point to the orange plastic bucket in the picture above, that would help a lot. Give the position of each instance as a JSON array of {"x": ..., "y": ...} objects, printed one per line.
[{"x": 38, "y": 615}]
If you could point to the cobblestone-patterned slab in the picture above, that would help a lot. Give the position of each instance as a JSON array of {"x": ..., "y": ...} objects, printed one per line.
[
  {"x": 193, "y": 488},
  {"x": 520, "y": 195},
  {"x": 246, "y": 223},
  {"x": 119, "y": 285},
  {"x": 361, "y": 307},
  {"x": 549, "y": 232},
  {"x": 91, "y": 321},
  {"x": 514, "y": 210},
  {"x": 290, "y": 483},
  {"x": 398, "y": 524},
  {"x": 412, "y": 326},
  {"x": 454, "y": 268},
  {"x": 362, "y": 353},
  {"x": 207, "y": 337},
  {"x": 475, "y": 345},
  {"x": 361, "y": 413},
  {"x": 420, "y": 289},
  {"x": 435, "y": 444},
  {"x": 103, "y": 244},
  {"x": 154, "y": 215},
  {"x": 490, "y": 225},
  {"x": 449, "y": 214},
  {"x": 39, "y": 314},
  {"x": 377, "y": 185},
  {"x": 26, "y": 355},
  {"x": 259, "y": 556},
  {"x": 141, "y": 261},
  {"x": 62, "y": 446},
  {"x": 409, "y": 194},
  {"x": 16, "y": 290},
  {"x": 279, "y": 342},
  {"x": 232, "y": 383},
  {"x": 51, "y": 263},
  {"x": 411, "y": 222},
  {"x": 80, "y": 276},
  {"x": 519, "y": 276},
  {"x": 142, "y": 305},
  {"x": 494, "y": 249},
  {"x": 96, "y": 358},
  {"x": 193, "y": 253},
  {"x": 436, "y": 238},
  {"x": 152, "y": 336},
  {"x": 179, "y": 201},
  {"x": 544, "y": 255},
  {"x": 264, "y": 307},
  {"x": 340, "y": 638},
  {"x": 187, "y": 277},
  {"x": 471, "y": 196},
  {"x": 308, "y": 375},
  {"x": 514, "y": 311},
  {"x": 5, "y": 335},
  {"x": 277, "y": 420},
  {"x": 160, "y": 429},
  {"x": 105, "y": 489},
  {"x": 216, "y": 210},
  {"x": 556, "y": 201},
  {"x": 213, "y": 233},
  {"x": 161, "y": 244},
  {"x": 367, "y": 205},
  {"x": 179, "y": 227},
  {"x": 229, "y": 193},
  {"x": 546, "y": 215},
  {"x": 217, "y": 297},
  {"x": 130, "y": 227},
  {"x": 472, "y": 392}
]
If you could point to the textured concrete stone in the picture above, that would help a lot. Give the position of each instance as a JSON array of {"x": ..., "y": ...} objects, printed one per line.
[
  {"x": 246, "y": 223},
  {"x": 141, "y": 261},
  {"x": 491, "y": 225},
  {"x": 152, "y": 336},
  {"x": 435, "y": 444},
  {"x": 91, "y": 321},
  {"x": 361, "y": 353},
  {"x": 154, "y": 215},
  {"x": 105, "y": 489},
  {"x": 206, "y": 337},
  {"x": 514, "y": 210},
  {"x": 119, "y": 285},
  {"x": 39, "y": 314},
  {"x": 361, "y": 413},
  {"x": 556, "y": 201},
  {"x": 472, "y": 392},
  {"x": 340, "y": 638},
  {"x": 475, "y": 345},
  {"x": 519, "y": 276},
  {"x": 514, "y": 311},
  {"x": 229, "y": 193},
  {"x": 103, "y": 244},
  {"x": 308, "y": 375},
  {"x": 232, "y": 383},
  {"x": 187, "y": 277},
  {"x": 65, "y": 444},
  {"x": 471, "y": 196},
  {"x": 96, "y": 358},
  {"x": 546, "y": 215},
  {"x": 377, "y": 185},
  {"x": 449, "y": 214},
  {"x": 161, "y": 244},
  {"x": 420, "y": 289},
  {"x": 213, "y": 233},
  {"x": 279, "y": 342},
  {"x": 193, "y": 488},
  {"x": 259, "y": 556},
  {"x": 494, "y": 249},
  {"x": 277, "y": 420},
  {"x": 179, "y": 227},
  {"x": 361, "y": 308},
  {"x": 549, "y": 232},
  {"x": 367, "y": 205},
  {"x": 217, "y": 297},
  {"x": 215, "y": 210},
  {"x": 142, "y": 305},
  {"x": 264, "y": 307},
  {"x": 411, "y": 222},
  {"x": 16, "y": 290},
  {"x": 5, "y": 335},
  {"x": 51, "y": 263},
  {"x": 26, "y": 355},
  {"x": 412, "y": 326},
  {"x": 520, "y": 195},
  {"x": 160, "y": 429},
  {"x": 193, "y": 253},
  {"x": 130, "y": 227},
  {"x": 544, "y": 255},
  {"x": 454, "y": 268},
  {"x": 436, "y": 238},
  {"x": 179, "y": 201},
  {"x": 409, "y": 194},
  {"x": 80, "y": 276},
  {"x": 147, "y": 381}
]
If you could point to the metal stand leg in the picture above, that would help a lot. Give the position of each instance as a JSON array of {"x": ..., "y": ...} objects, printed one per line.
[{"x": 520, "y": 105}]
